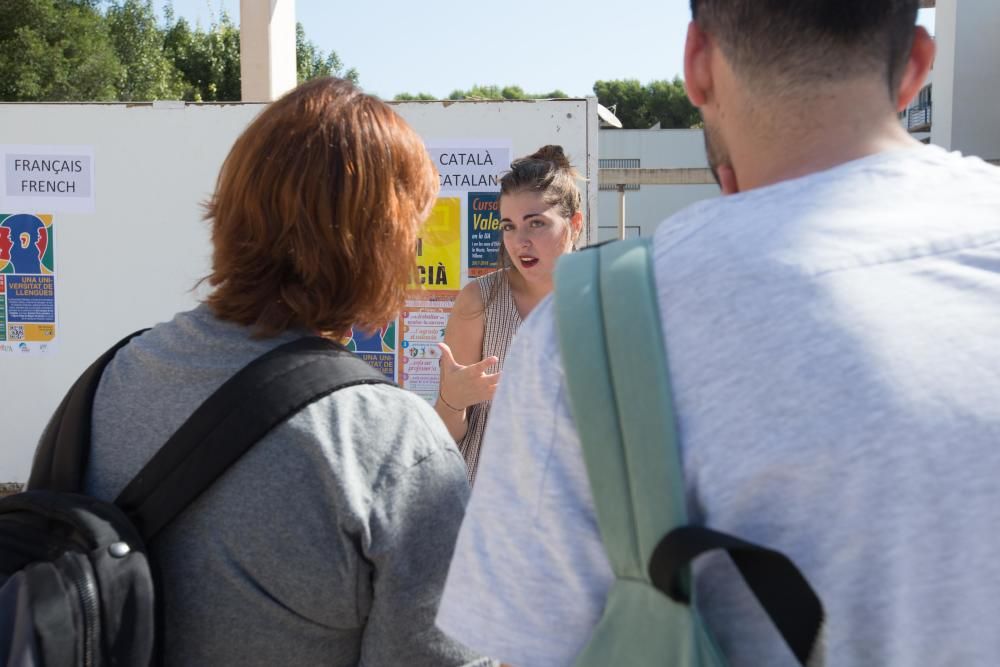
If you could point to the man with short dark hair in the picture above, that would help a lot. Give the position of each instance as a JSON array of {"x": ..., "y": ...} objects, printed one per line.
[{"x": 831, "y": 327}]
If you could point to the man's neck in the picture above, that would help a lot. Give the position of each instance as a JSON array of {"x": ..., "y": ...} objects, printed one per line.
[{"x": 778, "y": 142}]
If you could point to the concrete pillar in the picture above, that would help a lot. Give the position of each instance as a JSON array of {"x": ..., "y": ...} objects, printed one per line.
[
  {"x": 966, "y": 89},
  {"x": 267, "y": 49}
]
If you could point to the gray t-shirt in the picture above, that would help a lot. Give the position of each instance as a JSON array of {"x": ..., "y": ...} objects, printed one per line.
[
  {"x": 834, "y": 346},
  {"x": 327, "y": 543}
]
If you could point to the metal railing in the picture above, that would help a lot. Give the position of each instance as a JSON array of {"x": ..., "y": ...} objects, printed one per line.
[{"x": 618, "y": 163}]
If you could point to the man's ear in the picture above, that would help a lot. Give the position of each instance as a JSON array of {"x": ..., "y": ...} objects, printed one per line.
[
  {"x": 697, "y": 65},
  {"x": 918, "y": 63}
]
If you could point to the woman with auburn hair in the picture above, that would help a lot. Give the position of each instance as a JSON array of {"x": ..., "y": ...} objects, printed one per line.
[
  {"x": 328, "y": 542},
  {"x": 541, "y": 219}
]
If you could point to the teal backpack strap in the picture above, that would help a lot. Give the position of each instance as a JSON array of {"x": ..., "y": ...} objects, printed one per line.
[
  {"x": 616, "y": 373},
  {"x": 621, "y": 400}
]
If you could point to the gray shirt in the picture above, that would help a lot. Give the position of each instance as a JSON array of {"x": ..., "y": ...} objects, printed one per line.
[
  {"x": 834, "y": 347},
  {"x": 326, "y": 544}
]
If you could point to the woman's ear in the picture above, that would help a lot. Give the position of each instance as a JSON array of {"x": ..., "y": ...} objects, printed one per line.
[{"x": 576, "y": 227}]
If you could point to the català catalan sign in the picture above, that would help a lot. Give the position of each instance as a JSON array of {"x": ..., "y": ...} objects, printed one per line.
[
  {"x": 57, "y": 179},
  {"x": 470, "y": 165}
]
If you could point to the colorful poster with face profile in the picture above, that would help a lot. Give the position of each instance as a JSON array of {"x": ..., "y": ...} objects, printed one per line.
[
  {"x": 28, "y": 294},
  {"x": 3, "y": 308},
  {"x": 378, "y": 348},
  {"x": 422, "y": 325},
  {"x": 484, "y": 234},
  {"x": 439, "y": 247}
]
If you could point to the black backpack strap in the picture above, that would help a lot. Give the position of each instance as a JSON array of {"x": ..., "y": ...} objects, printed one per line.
[
  {"x": 256, "y": 399},
  {"x": 63, "y": 450},
  {"x": 781, "y": 589}
]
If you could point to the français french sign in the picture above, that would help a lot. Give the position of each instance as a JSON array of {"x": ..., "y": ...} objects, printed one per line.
[{"x": 59, "y": 179}]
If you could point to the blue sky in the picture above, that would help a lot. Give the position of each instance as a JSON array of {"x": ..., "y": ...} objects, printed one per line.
[{"x": 440, "y": 45}]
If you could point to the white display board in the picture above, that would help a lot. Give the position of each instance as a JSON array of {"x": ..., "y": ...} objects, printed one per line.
[{"x": 136, "y": 259}]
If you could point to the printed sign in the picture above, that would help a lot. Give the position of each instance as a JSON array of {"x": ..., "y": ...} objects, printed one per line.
[
  {"x": 3, "y": 308},
  {"x": 378, "y": 348},
  {"x": 439, "y": 247},
  {"x": 464, "y": 166},
  {"x": 422, "y": 325},
  {"x": 484, "y": 233},
  {"x": 27, "y": 283},
  {"x": 48, "y": 178}
]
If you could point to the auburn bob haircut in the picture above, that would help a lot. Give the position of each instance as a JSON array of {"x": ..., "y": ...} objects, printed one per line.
[{"x": 315, "y": 214}]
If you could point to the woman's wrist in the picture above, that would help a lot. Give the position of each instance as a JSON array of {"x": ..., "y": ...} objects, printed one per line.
[{"x": 447, "y": 404}]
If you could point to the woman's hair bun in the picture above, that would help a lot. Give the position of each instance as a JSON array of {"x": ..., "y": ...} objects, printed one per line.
[{"x": 554, "y": 154}]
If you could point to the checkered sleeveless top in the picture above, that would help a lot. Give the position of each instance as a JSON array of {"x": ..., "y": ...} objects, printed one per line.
[{"x": 501, "y": 322}]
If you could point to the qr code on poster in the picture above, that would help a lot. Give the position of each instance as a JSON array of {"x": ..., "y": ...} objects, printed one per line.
[{"x": 15, "y": 332}]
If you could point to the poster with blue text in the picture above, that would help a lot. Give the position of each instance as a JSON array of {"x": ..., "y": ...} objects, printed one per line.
[
  {"x": 483, "y": 232},
  {"x": 27, "y": 283},
  {"x": 377, "y": 348}
]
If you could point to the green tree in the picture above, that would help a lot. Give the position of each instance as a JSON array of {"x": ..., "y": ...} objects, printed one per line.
[
  {"x": 419, "y": 97},
  {"x": 669, "y": 104},
  {"x": 208, "y": 60},
  {"x": 639, "y": 107},
  {"x": 311, "y": 62},
  {"x": 149, "y": 73},
  {"x": 56, "y": 50},
  {"x": 479, "y": 92}
]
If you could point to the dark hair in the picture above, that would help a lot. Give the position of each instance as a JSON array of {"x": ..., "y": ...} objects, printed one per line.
[
  {"x": 316, "y": 211},
  {"x": 781, "y": 42},
  {"x": 549, "y": 172}
]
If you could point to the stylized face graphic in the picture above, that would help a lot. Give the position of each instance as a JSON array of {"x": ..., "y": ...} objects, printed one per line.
[
  {"x": 43, "y": 242},
  {"x": 5, "y": 244}
]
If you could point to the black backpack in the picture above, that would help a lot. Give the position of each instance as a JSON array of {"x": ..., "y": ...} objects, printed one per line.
[{"x": 77, "y": 586}]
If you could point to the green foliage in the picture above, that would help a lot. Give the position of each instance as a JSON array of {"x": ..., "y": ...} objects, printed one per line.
[
  {"x": 479, "y": 92},
  {"x": 419, "y": 97},
  {"x": 69, "y": 50},
  {"x": 208, "y": 60},
  {"x": 53, "y": 50},
  {"x": 640, "y": 107},
  {"x": 311, "y": 62},
  {"x": 149, "y": 73}
]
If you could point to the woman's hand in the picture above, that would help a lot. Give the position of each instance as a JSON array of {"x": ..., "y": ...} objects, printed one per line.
[{"x": 462, "y": 386}]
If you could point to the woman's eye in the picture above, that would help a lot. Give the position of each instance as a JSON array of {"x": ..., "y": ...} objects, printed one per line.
[
  {"x": 507, "y": 227},
  {"x": 537, "y": 223}
]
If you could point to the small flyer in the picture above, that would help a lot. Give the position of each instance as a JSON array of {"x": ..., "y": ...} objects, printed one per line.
[
  {"x": 422, "y": 325},
  {"x": 27, "y": 284},
  {"x": 377, "y": 348}
]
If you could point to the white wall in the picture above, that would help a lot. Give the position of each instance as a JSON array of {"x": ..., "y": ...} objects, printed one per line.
[
  {"x": 135, "y": 261},
  {"x": 966, "y": 95},
  {"x": 651, "y": 204}
]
